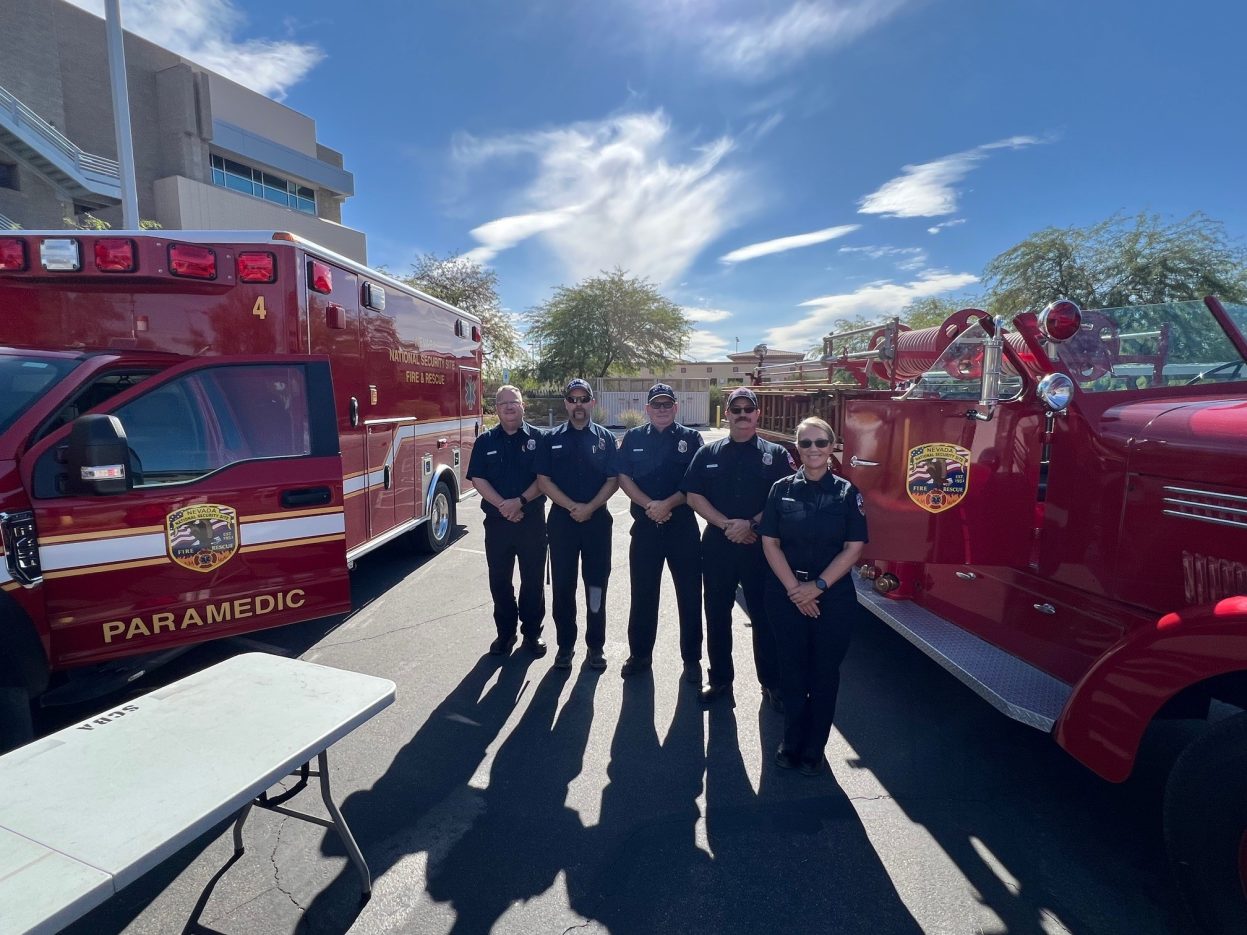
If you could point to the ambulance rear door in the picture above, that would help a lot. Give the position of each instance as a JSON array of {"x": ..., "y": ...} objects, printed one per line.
[{"x": 233, "y": 520}]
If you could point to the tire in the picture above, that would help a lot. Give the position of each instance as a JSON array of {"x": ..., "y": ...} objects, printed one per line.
[
  {"x": 1206, "y": 826},
  {"x": 434, "y": 534},
  {"x": 16, "y": 727}
]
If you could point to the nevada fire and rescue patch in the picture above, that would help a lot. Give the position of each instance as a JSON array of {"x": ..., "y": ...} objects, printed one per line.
[
  {"x": 202, "y": 537},
  {"x": 937, "y": 476}
]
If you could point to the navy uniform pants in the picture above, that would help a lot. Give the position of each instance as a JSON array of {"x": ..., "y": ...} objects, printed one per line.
[
  {"x": 810, "y": 651},
  {"x": 507, "y": 544},
  {"x": 675, "y": 543},
  {"x": 724, "y": 566},
  {"x": 587, "y": 545}
]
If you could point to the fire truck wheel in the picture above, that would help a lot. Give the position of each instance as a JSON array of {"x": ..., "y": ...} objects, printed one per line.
[
  {"x": 15, "y": 723},
  {"x": 434, "y": 535},
  {"x": 1206, "y": 826}
]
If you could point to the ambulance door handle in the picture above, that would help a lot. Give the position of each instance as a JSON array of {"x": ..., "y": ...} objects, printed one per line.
[
  {"x": 354, "y": 412},
  {"x": 441, "y": 443},
  {"x": 306, "y": 496}
]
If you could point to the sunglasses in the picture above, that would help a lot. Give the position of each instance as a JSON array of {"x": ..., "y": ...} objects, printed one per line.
[
  {"x": 816, "y": 442},
  {"x": 579, "y": 400},
  {"x": 742, "y": 410},
  {"x": 661, "y": 404}
]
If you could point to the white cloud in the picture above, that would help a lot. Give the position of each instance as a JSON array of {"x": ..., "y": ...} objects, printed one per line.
[
  {"x": 907, "y": 258},
  {"x": 757, "y": 48},
  {"x": 203, "y": 31},
  {"x": 927, "y": 190},
  {"x": 705, "y": 314},
  {"x": 875, "y": 300},
  {"x": 779, "y": 245},
  {"x": 704, "y": 345},
  {"x": 613, "y": 193},
  {"x": 944, "y": 225}
]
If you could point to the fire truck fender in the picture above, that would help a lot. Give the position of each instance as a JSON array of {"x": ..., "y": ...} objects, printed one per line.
[
  {"x": 1112, "y": 705},
  {"x": 446, "y": 475},
  {"x": 23, "y": 663}
]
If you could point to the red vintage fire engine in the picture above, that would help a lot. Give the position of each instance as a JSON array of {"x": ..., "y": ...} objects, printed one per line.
[
  {"x": 1058, "y": 517},
  {"x": 200, "y": 432}
]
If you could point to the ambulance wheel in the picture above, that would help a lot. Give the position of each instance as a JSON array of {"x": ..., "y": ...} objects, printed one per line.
[
  {"x": 16, "y": 727},
  {"x": 1206, "y": 826},
  {"x": 434, "y": 535}
]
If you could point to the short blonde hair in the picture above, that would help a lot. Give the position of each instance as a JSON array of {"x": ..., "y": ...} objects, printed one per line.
[
  {"x": 816, "y": 423},
  {"x": 519, "y": 393}
]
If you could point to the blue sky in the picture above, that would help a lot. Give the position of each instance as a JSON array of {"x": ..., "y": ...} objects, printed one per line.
[{"x": 774, "y": 165}]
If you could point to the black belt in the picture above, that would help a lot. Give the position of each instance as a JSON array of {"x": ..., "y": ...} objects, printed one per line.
[{"x": 802, "y": 575}]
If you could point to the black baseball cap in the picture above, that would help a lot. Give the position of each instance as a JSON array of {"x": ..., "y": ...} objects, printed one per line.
[
  {"x": 742, "y": 392},
  {"x": 660, "y": 389},
  {"x": 578, "y": 384}
]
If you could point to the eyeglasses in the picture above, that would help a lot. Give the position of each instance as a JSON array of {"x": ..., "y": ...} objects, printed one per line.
[
  {"x": 742, "y": 410},
  {"x": 579, "y": 400},
  {"x": 506, "y": 403},
  {"x": 816, "y": 442},
  {"x": 661, "y": 404}
]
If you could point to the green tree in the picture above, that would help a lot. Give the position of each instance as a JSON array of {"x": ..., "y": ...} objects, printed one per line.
[
  {"x": 467, "y": 285},
  {"x": 1138, "y": 260},
  {"x": 611, "y": 322}
]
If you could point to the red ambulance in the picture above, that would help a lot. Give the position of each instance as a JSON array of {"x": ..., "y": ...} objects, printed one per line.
[{"x": 200, "y": 432}]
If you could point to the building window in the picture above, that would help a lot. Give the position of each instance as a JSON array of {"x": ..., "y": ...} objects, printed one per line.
[
  {"x": 709, "y": 370},
  {"x": 735, "y": 370},
  {"x": 684, "y": 370},
  {"x": 8, "y": 176},
  {"x": 235, "y": 176}
]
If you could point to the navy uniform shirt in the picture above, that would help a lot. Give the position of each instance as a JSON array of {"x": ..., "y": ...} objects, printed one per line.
[
  {"x": 813, "y": 520},
  {"x": 736, "y": 476},
  {"x": 657, "y": 461},
  {"x": 579, "y": 461},
  {"x": 507, "y": 462}
]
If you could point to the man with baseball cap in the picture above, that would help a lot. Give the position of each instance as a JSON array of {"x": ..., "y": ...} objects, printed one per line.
[
  {"x": 727, "y": 484},
  {"x": 576, "y": 470},
  {"x": 652, "y": 461}
]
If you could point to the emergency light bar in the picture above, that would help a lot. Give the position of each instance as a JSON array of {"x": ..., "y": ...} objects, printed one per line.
[
  {"x": 60, "y": 254},
  {"x": 12, "y": 254},
  {"x": 257, "y": 267},
  {"x": 191, "y": 261},
  {"x": 115, "y": 256}
]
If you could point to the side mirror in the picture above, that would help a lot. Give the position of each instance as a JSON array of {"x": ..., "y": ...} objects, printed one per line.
[{"x": 98, "y": 457}]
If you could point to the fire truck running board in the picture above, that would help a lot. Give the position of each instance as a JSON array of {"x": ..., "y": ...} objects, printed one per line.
[{"x": 1013, "y": 687}]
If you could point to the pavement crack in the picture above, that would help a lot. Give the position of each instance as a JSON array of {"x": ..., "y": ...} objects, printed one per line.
[
  {"x": 585, "y": 924},
  {"x": 277, "y": 872},
  {"x": 413, "y": 626}
]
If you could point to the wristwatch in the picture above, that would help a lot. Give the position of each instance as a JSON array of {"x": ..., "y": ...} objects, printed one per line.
[
  {"x": 820, "y": 584},
  {"x": 523, "y": 500},
  {"x": 753, "y": 525}
]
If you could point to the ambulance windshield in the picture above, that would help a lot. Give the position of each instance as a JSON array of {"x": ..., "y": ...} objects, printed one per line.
[{"x": 24, "y": 379}]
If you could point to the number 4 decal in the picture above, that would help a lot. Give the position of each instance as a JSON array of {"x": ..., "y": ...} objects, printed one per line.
[{"x": 258, "y": 310}]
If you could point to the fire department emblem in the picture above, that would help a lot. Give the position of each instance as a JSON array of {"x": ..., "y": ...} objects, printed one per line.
[
  {"x": 767, "y": 458},
  {"x": 601, "y": 444},
  {"x": 531, "y": 445},
  {"x": 469, "y": 393},
  {"x": 682, "y": 446},
  {"x": 202, "y": 537},
  {"x": 938, "y": 476}
]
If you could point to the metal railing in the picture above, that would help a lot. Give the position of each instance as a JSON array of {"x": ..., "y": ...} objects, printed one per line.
[
  {"x": 8, "y": 224},
  {"x": 86, "y": 163}
]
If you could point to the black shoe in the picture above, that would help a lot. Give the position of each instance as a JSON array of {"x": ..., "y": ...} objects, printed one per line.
[
  {"x": 597, "y": 659},
  {"x": 692, "y": 673},
  {"x": 814, "y": 767},
  {"x": 786, "y": 760},
  {"x": 535, "y": 645},
  {"x": 502, "y": 646},
  {"x": 632, "y": 666},
  {"x": 710, "y": 692},
  {"x": 564, "y": 659}
]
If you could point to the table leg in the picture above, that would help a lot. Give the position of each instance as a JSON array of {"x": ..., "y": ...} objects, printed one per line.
[
  {"x": 242, "y": 817},
  {"x": 339, "y": 824}
]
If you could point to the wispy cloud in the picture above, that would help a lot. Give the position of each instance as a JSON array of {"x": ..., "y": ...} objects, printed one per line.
[
  {"x": 705, "y": 314},
  {"x": 617, "y": 192},
  {"x": 944, "y": 225},
  {"x": 907, "y": 258},
  {"x": 927, "y": 190},
  {"x": 705, "y": 345},
  {"x": 779, "y": 245},
  {"x": 759, "y": 47},
  {"x": 878, "y": 299},
  {"x": 204, "y": 32}
]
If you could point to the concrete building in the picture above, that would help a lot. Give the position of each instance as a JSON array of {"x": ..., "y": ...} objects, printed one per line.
[
  {"x": 733, "y": 371},
  {"x": 209, "y": 153}
]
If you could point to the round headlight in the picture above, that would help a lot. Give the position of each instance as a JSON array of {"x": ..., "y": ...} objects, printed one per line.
[
  {"x": 1056, "y": 390},
  {"x": 1060, "y": 321}
]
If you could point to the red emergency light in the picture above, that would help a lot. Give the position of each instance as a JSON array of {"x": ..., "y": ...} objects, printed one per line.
[
  {"x": 1061, "y": 320},
  {"x": 12, "y": 254},
  {"x": 115, "y": 256},
  {"x": 319, "y": 277},
  {"x": 257, "y": 267},
  {"x": 192, "y": 261}
]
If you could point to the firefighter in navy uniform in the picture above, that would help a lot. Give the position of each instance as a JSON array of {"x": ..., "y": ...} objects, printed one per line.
[
  {"x": 727, "y": 484},
  {"x": 503, "y": 469},
  {"x": 813, "y": 532},
  {"x": 576, "y": 470},
  {"x": 652, "y": 462}
]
